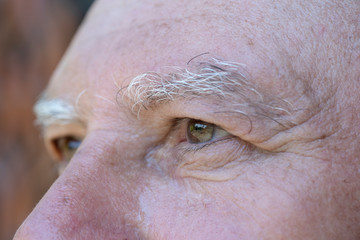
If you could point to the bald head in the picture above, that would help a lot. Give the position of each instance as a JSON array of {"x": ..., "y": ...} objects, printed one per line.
[{"x": 205, "y": 120}]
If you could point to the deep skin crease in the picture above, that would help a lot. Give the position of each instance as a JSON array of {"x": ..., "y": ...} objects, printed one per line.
[{"x": 138, "y": 176}]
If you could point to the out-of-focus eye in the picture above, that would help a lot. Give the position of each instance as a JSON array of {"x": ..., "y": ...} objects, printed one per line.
[
  {"x": 66, "y": 146},
  {"x": 201, "y": 132}
]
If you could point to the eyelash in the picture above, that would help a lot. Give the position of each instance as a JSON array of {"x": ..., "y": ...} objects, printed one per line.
[{"x": 198, "y": 147}]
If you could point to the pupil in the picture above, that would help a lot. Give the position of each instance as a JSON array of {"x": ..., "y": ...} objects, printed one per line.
[{"x": 199, "y": 132}]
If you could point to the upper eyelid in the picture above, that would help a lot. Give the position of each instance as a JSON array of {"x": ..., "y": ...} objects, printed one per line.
[
  {"x": 56, "y": 132},
  {"x": 180, "y": 121}
]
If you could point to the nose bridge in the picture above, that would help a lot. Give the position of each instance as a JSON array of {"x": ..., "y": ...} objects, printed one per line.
[{"x": 95, "y": 197}]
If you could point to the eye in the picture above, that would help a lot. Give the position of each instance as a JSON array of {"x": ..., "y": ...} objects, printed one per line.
[
  {"x": 66, "y": 146},
  {"x": 201, "y": 132}
]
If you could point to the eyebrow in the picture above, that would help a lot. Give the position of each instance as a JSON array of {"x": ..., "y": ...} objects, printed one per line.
[
  {"x": 211, "y": 78},
  {"x": 228, "y": 82},
  {"x": 54, "y": 111}
]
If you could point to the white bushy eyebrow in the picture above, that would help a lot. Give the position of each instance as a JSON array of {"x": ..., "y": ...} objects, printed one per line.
[
  {"x": 227, "y": 82},
  {"x": 54, "y": 111},
  {"x": 214, "y": 77}
]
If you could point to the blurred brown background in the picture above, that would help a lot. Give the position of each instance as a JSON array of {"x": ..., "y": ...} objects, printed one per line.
[{"x": 33, "y": 36}]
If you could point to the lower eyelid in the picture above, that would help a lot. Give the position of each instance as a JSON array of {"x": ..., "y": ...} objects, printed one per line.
[
  {"x": 190, "y": 147},
  {"x": 176, "y": 158},
  {"x": 227, "y": 153}
]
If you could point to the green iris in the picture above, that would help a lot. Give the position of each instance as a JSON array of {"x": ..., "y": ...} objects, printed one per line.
[{"x": 199, "y": 131}]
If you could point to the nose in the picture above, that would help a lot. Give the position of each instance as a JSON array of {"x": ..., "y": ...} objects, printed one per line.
[{"x": 94, "y": 198}]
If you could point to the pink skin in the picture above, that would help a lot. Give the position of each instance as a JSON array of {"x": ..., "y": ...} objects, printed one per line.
[{"x": 129, "y": 178}]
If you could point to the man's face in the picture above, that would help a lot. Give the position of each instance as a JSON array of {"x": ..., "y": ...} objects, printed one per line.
[{"x": 205, "y": 120}]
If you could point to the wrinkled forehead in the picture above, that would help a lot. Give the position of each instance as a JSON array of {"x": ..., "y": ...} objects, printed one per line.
[
  {"x": 143, "y": 35},
  {"x": 121, "y": 39}
]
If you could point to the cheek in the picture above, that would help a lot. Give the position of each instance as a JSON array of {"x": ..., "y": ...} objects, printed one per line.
[
  {"x": 259, "y": 204},
  {"x": 199, "y": 210}
]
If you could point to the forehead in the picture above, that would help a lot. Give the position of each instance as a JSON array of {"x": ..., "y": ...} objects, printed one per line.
[{"x": 122, "y": 39}]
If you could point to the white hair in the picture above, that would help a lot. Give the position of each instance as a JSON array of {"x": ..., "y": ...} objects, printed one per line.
[
  {"x": 223, "y": 79},
  {"x": 54, "y": 111},
  {"x": 215, "y": 77}
]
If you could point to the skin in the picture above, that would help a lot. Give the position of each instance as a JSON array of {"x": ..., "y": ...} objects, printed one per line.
[{"x": 130, "y": 179}]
